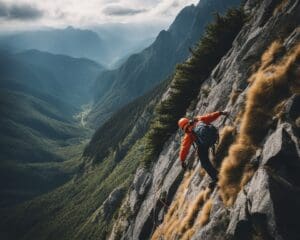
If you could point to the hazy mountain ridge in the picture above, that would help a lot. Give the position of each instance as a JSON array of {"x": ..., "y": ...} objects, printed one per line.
[
  {"x": 105, "y": 44},
  {"x": 68, "y": 41},
  {"x": 70, "y": 79},
  {"x": 40, "y": 94},
  {"x": 143, "y": 71}
]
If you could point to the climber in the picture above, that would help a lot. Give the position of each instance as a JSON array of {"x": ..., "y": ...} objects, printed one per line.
[{"x": 205, "y": 135}]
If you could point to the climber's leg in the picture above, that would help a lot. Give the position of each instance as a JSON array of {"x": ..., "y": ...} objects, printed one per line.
[{"x": 206, "y": 164}]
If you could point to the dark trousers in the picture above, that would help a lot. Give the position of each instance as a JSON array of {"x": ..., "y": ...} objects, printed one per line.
[{"x": 205, "y": 163}]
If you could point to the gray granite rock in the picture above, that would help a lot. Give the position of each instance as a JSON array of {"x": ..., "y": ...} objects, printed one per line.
[
  {"x": 110, "y": 204},
  {"x": 140, "y": 185},
  {"x": 262, "y": 207}
]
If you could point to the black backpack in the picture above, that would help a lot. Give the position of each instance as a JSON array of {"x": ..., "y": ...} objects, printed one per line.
[{"x": 206, "y": 134}]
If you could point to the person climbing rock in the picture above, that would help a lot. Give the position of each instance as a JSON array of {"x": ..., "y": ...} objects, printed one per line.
[{"x": 205, "y": 135}]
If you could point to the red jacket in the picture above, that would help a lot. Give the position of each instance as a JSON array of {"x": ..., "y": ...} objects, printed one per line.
[{"x": 189, "y": 138}]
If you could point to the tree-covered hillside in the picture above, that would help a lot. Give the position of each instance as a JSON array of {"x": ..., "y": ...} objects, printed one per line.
[
  {"x": 40, "y": 95},
  {"x": 142, "y": 71},
  {"x": 80, "y": 200}
]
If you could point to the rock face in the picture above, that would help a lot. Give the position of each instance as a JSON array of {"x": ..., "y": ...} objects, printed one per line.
[
  {"x": 112, "y": 202},
  {"x": 268, "y": 206}
]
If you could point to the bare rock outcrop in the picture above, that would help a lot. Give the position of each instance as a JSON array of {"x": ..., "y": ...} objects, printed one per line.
[{"x": 268, "y": 206}]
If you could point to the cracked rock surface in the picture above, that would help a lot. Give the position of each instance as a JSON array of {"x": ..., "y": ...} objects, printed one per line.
[{"x": 268, "y": 207}]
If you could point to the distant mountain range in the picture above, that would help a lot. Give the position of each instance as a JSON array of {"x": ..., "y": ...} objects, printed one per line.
[
  {"x": 106, "y": 45},
  {"x": 69, "y": 41},
  {"x": 142, "y": 71}
]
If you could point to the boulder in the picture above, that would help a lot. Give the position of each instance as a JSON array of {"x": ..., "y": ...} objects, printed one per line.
[{"x": 280, "y": 152}]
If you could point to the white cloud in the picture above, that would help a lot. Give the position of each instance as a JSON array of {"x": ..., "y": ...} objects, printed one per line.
[{"x": 80, "y": 13}]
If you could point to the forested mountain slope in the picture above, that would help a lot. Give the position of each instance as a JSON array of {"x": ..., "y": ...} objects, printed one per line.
[
  {"x": 81, "y": 200},
  {"x": 40, "y": 95},
  {"x": 142, "y": 71}
]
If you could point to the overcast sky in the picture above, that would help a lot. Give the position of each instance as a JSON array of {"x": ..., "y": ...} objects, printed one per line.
[{"x": 28, "y": 14}]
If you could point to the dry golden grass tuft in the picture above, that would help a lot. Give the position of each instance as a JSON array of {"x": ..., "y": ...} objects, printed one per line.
[
  {"x": 279, "y": 110},
  {"x": 202, "y": 219},
  {"x": 234, "y": 95},
  {"x": 269, "y": 56},
  {"x": 238, "y": 117},
  {"x": 188, "y": 234},
  {"x": 193, "y": 210},
  {"x": 227, "y": 136},
  {"x": 179, "y": 204},
  {"x": 179, "y": 221},
  {"x": 172, "y": 218},
  {"x": 249, "y": 171},
  {"x": 232, "y": 170},
  {"x": 205, "y": 213},
  {"x": 202, "y": 172},
  {"x": 272, "y": 83},
  {"x": 280, "y": 7}
]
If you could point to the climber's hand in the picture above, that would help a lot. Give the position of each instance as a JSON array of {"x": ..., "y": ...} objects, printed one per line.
[{"x": 183, "y": 165}]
